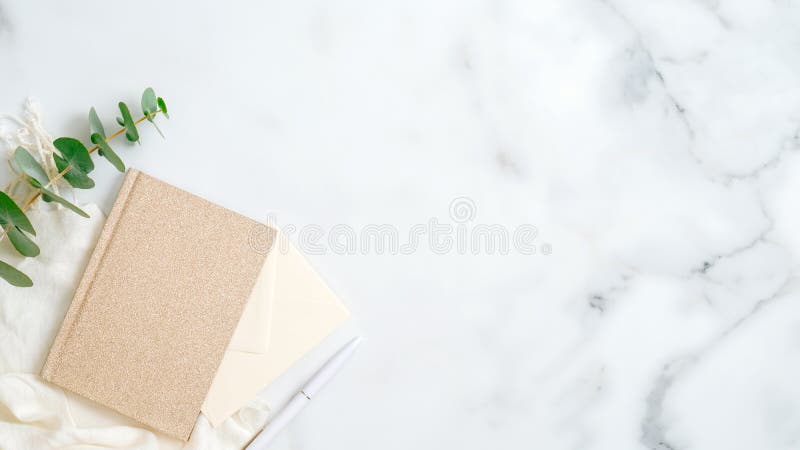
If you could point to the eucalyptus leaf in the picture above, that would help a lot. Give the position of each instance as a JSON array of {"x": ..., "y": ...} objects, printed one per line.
[
  {"x": 95, "y": 125},
  {"x": 13, "y": 276},
  {"x": 162, "y": 105},
  {"x": 64, "y": 202},
  {"x": 120, "y": 121},
  {"x": 10, "y": 214},
  {"x": 158, "y": 129},
  {"x": 28, "y": 165},
  {"x": 24, "y": 245},
  {"x": 107, "y": 152},
  {"x": 149, "y": 104},
  {"x": 127, "y": 121},
  {"x": 76, "y": 160}
]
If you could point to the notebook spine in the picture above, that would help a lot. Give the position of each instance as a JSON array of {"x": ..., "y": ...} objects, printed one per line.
[{"x": 95, "y": 262}]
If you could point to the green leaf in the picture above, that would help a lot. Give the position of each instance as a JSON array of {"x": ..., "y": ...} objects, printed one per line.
[
  {"x": 127, "y": 121},
  {"x": 149, "y": 104},
  {"x": 63, "y": 201},
  {"x": 120, "y": 121},
  {"x": 24, "y": 245},
  {"x": 158, "y": 129},
  {"x": 13, "y": 276},
  {"x": 150, "y": 107},
  {"x": 162, "y": 105},
  {"x": 107, "y": 153},
  {"x": 95, "y": 125},
  {"x": 28, "y": 165},
  {"x": 10, "y": 214},
  {"x": 75, "y": 156}
]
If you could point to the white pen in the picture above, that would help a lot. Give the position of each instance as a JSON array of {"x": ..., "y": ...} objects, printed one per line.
[{"x": 284, "y": 416}]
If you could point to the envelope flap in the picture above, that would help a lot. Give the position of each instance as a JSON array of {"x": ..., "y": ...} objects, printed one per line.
[
  {"x": 304, "y": 311},
  {"x": 253, "y": 331},
  {"x": 307, "y": 311}
]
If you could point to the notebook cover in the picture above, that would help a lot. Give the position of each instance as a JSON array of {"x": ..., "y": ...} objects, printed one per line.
[{"x": 157, "y": 305}]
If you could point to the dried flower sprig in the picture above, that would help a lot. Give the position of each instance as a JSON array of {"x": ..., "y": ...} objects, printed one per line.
[{"x": 74, "y": 163}]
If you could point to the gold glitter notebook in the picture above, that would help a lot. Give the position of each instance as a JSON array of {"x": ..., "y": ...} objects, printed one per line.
[{"x": 157, "y": 305}]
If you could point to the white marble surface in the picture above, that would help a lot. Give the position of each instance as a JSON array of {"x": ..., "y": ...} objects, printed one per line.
[{"x": 653, "y": 143}]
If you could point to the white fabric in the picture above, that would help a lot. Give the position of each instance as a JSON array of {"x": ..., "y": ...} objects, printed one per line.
[{"x": 35, "y": 415}]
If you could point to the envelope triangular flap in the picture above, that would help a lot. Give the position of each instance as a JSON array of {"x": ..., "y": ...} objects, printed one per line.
[
  {"x": 253, "y": 331},
  {"x": 303, "y": 312}
]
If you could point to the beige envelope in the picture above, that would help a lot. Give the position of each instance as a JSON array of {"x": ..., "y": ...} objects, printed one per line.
[{"x": 290, "y": 311}]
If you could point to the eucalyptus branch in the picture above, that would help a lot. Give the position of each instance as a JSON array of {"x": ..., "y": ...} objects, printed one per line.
[
  {"x": 73, "y": 162},
  {"x": 61, "y": 174}
]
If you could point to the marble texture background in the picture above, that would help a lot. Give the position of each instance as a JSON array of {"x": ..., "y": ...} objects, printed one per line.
[{"x": 654, "y": 145}]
